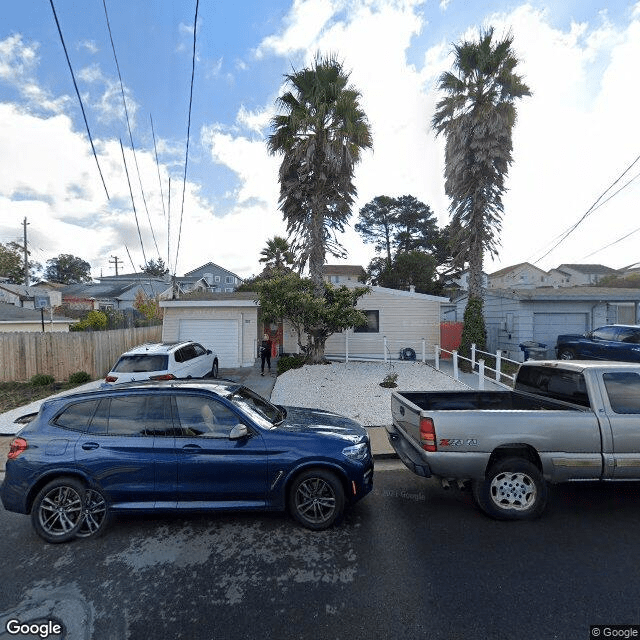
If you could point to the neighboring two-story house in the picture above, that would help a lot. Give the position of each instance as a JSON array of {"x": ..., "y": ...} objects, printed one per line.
[
  {"x": 338, "y": 274},
  {"x": 209, "y": 277}
]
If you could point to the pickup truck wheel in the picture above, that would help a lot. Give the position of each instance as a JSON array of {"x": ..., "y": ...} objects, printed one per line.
[
  {"x": 316, "y": 499},
  {"x": 566, "y": 354},
  {"x": 514, "y": 489}
]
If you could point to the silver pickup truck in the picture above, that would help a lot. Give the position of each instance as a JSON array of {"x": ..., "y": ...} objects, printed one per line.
[{"x": 563, "y": 421}]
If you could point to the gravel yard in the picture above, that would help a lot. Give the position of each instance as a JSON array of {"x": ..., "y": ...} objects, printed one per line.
[{"x": 354, "y": 390}]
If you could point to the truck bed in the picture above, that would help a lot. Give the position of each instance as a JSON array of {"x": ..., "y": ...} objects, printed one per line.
[{"x": 483, "y": 400}]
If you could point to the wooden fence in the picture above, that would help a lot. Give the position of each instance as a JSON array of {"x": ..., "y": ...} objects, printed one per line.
[{"x": 24, "y": 354}]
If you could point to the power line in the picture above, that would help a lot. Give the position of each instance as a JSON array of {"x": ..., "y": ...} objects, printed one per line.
[
  {"x": 135, "y": 213},
  {"x": 155, "y": 149},
  {"x": 84, "y": 115},
  {"x": 590, "y": 210},
  {"x": 186, "y": 159},
  {"x": 126, "y": 113}
]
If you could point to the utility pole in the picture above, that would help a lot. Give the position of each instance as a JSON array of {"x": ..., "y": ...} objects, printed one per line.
[
  {"x": 26, "y": 255},
  {"x": 115, "y": 261}
]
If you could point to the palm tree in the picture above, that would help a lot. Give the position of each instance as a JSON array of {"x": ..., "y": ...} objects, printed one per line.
[
  {"x": 277, "y": 255},
  {"x": 477, "y": 116},
  {"x": 320, "y": 135}
]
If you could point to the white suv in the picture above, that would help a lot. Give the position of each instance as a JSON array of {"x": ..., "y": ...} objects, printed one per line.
[{"x": 164, "y": 361}]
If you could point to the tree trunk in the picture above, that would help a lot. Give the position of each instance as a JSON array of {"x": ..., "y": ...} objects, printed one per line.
[
  {"x": 316, "y": 254},
  {"x": 475, "y": 267}
]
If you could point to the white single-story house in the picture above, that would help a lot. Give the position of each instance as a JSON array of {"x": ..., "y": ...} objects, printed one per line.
[
  {"x": 229, "y": 325},
  {"x": 14, "y": 318},
  {"x": 514, "y": 316}
]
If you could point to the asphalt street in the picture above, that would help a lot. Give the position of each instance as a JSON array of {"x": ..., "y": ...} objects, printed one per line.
[{"x": 411, "y": 560}]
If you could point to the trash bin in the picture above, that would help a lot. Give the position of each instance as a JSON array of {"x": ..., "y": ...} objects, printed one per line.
[{"x": 533, "y": 350}]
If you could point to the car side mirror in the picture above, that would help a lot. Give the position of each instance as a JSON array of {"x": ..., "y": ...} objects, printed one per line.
[
  {"x": 209, "y": 352},
  {"x": 238, "y": 432}
]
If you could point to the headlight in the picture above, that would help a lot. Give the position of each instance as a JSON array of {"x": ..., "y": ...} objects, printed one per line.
[{"x": 356, "y": 451}]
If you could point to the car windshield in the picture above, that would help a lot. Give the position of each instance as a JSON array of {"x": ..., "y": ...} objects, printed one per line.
[
  {"x": 141, "y": 362},
  {"x": 267, "y": 415}
]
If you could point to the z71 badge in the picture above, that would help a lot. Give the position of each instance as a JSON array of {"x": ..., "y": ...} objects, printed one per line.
[{"x": 457, "y": 442}]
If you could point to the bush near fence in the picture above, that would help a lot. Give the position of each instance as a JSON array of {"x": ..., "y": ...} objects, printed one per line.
[{"x": 25, "y": 354}]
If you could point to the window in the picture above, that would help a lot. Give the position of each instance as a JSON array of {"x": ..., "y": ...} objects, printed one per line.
[
  {"x": 216, "y": 278},
  {"x": 630, "y": 335},
  {"x": 199, "y": 349},
  {"x": 200, "y": 416},
  {"x": 623, "y": 389},
  {"x": 373, "y": 323},
  {"x": 139, "y": 415},
  {"x": 228, "y": 280},
  {"x": 259, "y": 409},
  {"x": 185, "y": 354},
  {"x": 604, "y": 333},
  {"x": 554, "y": 383},
  {"x": 77, "y": 416},
  {"x": 142, "y": 362},
  {"x": 228, "y": 290}
]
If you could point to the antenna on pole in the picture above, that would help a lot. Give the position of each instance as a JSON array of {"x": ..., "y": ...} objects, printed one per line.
[{"x": 26, "y": 255}]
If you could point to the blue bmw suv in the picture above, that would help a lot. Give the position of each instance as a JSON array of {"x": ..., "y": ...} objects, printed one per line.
[{"x": 181, "y": 445}]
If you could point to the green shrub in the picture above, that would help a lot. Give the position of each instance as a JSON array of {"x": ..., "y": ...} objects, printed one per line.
[
  {"x": 42, "y": 380},
  {"x": 289, "y": 362},
  {"x": 79, "y": 377},
  {"x": 390, "y": 381}
]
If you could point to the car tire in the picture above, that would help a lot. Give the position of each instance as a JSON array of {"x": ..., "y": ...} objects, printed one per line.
[
  {"x": 513, "y": 489},
  {"x": 316, "y": 499},
  {"x": 96, "y": 514},
  {"x": 56, "y": 514},
  {"x": 214, "y": 369},
  {"x": 566, "y": 354}
]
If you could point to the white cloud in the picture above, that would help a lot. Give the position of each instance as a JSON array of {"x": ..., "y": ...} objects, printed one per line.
[
  {"x": 89, "y": 45},
  {"x": 304, "y": 23}
]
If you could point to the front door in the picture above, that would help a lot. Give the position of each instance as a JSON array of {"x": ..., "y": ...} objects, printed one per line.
[{"x": 214, "y": 471}]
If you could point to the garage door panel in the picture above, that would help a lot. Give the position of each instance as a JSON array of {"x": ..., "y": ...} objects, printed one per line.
[
  {"x": 548, "y": 326},
  {"x": 221, "y": 336}
]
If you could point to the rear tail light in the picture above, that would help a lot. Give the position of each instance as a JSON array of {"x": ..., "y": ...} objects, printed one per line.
[
  {"x": 164, "y": 376},
  {"x": 110, "y": 378},
  {"x": 17, "y": 446},
  {"x": 427, "y": 434}
]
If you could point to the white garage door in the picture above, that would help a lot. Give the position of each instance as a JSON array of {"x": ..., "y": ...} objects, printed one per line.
[
  {"x": 548, "y": 326},
  {"x": 221, "y": 336}
]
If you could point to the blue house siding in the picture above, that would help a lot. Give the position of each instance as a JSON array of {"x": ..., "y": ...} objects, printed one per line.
[{"x": 513, "y": 317}]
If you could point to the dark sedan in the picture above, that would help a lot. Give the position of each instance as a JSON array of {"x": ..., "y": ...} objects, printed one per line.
[
  {"x": 181, "y": 445},
  {"x": 613, "y": 342}
]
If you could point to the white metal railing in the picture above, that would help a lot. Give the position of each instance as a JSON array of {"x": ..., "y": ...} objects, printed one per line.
[{"x": 479, "y": 363}]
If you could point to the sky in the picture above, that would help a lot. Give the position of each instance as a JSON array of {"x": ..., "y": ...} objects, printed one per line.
[{"x": 575, "y": 140}]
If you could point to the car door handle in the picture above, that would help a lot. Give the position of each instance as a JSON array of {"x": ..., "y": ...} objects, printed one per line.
[
  {"x": 88, "y": 446},
  {"x": 191, "y": 447}
]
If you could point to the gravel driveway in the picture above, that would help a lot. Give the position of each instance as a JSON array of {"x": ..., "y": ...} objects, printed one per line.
[{"x": 354, "y": 390}]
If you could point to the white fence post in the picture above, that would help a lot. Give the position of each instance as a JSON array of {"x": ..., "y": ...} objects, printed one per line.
[
  {"x": 473, "y": 356},
  {"x": 437, "y": 357},
  {"x": 481, "y": 375},
  {"x": 424, "y": 352},
  {"x": 498, "y": 364},
  {"x": 455, "y": 364},
  {"x": 386, "y": 359}
]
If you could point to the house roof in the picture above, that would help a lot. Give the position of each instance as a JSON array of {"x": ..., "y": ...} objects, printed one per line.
[
  {"x": 589, "y": 268},
  {"x": 343, "y": 270},
  {"x": 112, "y": 289},
  {"x": 515, "y": 267},
  {"x": 23, "y": 291},
  {"x": 199, "y": 271},
  {"x": 210, "y": 295},
  {"x": 11, "y": 313},
  {"x": 580, "y": 293}
]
